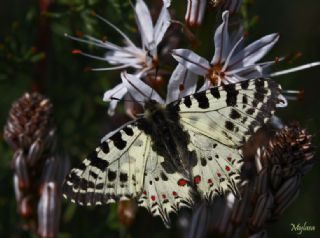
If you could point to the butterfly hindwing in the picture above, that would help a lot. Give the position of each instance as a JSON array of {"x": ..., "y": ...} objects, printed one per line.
[
  {"x": 218, "y": 167},
  {"x": 163, "y": 193},
  {"x": 219, "y": 121}
]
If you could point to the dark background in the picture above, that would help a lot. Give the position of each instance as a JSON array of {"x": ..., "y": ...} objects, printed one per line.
[{"x": 34, "y": 56}]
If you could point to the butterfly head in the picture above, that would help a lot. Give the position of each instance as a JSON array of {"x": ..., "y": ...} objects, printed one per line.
[{"x": 151, "y": 107}]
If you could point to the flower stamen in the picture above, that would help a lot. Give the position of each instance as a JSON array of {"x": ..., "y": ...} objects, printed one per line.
[{"x": 216, "y": 74}]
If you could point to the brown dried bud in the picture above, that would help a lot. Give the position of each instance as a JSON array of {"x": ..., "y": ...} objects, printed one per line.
[{"x": 30, "y": 118}]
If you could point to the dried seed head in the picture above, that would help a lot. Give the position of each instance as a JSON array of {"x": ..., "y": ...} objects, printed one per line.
[
  {"x": 38, "y": 169},
  {"x": 30, "y": 118},
  {"x": 291, "y": 149}
]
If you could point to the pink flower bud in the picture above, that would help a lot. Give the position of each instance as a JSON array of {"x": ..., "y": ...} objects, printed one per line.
[
  {"x": 49, "y": 211},
  {"x": 21, "y": 170}
]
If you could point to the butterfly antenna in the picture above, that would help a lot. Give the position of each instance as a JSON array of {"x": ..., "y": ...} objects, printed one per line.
[
  {"x": 155, "y": 78},
  {"x": 124, "y": 100}
]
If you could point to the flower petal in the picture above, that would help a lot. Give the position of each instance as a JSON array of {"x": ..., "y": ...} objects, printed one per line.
[
  {"x": 182, "y": 83},
  {"x": 112, "y": 107},
  {"x": 254, "y": 52},
  {"x": 117, "y": 92},
  {"x": 144, "y": 23},
  {"x": 139, "y": 90},
  {"x": 283, "y": 102},
  {"x": 245, "y": 71},
  {"x": 232, "y": 51},
  {"x": 122, "y": 57},
  {"x": 234, "y": 78},
  {"x": 191, "y": 61},
  {"x": 167, "y": 3},
  {"x": 162, "y": 25},
  {"x": 221, "y": 40},
  {"x": 206, "y": 85},
  {"x": 232, "y": 5}
]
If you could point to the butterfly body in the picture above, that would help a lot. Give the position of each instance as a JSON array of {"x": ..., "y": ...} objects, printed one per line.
[
  {"x": 163, "y": 121},
  {"x": 191, "y": 146}
]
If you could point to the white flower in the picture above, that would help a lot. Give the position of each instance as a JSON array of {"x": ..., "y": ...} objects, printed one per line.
[
  {"x": 196, "y": 9},
  {"x": 180, "y": 85},
  {"x": 142, "y": 59},
  {"x": 230, "y": 63},
  {"x": 130, "y": 56},
  {"x": 139, "y": 90}
]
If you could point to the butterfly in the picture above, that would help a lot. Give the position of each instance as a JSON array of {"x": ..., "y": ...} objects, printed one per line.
[{"x": 177, "y": 152}]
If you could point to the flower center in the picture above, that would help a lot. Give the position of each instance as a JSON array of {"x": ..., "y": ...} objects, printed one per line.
[
  {"x": 150, "y": 61},
  {"x": 215, "y": 74}
]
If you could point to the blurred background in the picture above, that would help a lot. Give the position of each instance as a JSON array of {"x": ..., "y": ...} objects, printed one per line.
[{"x": 35, "y": 56}]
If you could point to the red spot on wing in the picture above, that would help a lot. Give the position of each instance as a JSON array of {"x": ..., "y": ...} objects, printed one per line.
[
  {"x": 228, "y": 168},
  {"x": 219, "y": 175},
  {"x": 197, "y": 179},
  {"x": 144, "y": 192},
  {"x": 210, "y": 181},
  {"x": 153, "y": 198},
  {"x": 182, "y": 182},
  {"x": 174, "y": 193}
]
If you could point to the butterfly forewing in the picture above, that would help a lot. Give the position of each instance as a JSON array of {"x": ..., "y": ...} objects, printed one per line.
[
  {"x": 114, "y": 171},
  {"x": 231, "y": 113}
]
